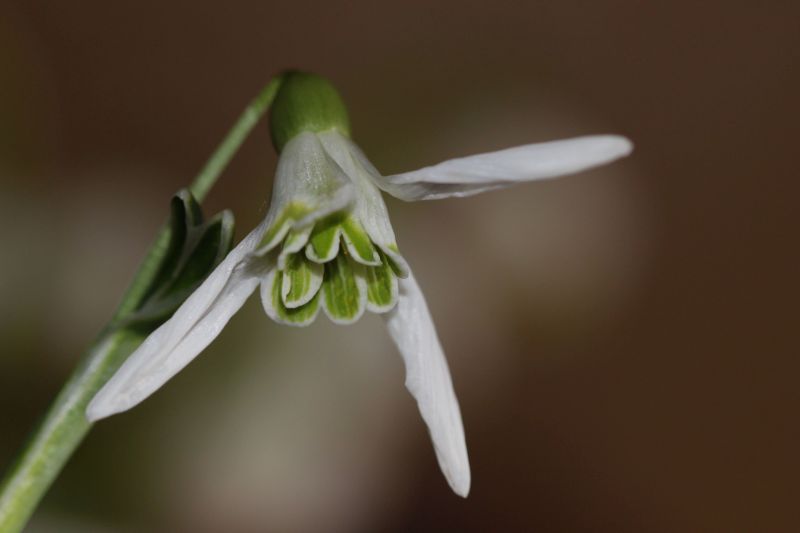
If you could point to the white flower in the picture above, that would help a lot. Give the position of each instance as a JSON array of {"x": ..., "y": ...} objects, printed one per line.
[{"x": 327, "y": 243}]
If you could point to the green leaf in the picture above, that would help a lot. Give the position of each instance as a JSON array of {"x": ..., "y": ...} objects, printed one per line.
[
  {"x": 195, "y": 248},
  {"x": 184, "y": 212}
]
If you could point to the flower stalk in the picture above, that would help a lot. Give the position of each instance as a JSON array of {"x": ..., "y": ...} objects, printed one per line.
[{"x": 65, "y": 425}]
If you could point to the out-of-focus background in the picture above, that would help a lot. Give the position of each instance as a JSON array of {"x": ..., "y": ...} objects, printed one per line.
[{"x": 623, "y": 342}]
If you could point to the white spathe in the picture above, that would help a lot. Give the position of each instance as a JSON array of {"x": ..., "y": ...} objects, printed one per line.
[{"x": 327, "y": 172}]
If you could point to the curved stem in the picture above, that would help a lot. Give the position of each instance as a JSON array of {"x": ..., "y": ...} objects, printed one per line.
[
  {"x": 64, "y": 426},
  {"x": 62, "y": 429}
]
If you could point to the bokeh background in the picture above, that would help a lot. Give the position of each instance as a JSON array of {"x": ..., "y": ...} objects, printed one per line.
[{"x": 623, "y": 342}]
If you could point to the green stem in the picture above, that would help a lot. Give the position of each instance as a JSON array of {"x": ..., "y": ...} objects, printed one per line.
[
  {"x": 62, "y": 429},
  {"x": 65, "y": 425}
]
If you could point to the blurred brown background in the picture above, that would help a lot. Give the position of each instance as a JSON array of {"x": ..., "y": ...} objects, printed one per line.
[{"x": 622, "y": 342}]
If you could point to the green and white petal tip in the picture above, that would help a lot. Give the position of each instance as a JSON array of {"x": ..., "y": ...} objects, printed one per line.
[
  {"x": 344, "y": 290},
  {"x": 382, "y": 287},
  {"x": 325, "y": 240},
  {"x": 359, "y": 244},
  {"x": 294, "y": 242},
  {"x": 301, "y": 281},
  {"x": 272, "y": 301}
]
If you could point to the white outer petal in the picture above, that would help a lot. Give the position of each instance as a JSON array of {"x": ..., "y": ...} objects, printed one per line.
[
  {"x": 478, "y": 173},
  {"x": 180, "y": 339},
  {"x": 428, "y": 380}
]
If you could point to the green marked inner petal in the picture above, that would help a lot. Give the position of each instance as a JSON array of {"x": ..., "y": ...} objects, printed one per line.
[
  {"x": 343, "y": 291},
  {"x": 359, "y": 244},
  {"x": 381, "y": 287},
  {"x": 298, "y": 316},
  {"x": 294, "y": 242},
  {"x": 301, "y": 281},
  {"x": 282, "y": 223},
  {"x": 324, "y": 243},
  {"x": 399, "y": 266},
  {"x": 296, "y": 239}
]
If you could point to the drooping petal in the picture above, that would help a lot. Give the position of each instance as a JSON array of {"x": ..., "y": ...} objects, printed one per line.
[
  {"x": 370, "y": 209},
  {"x": 309, "y": 185},
  {"x": 428, "y": 380},
  {"x": 478, "y": 173},
  {"x": 180, "y": 339}
]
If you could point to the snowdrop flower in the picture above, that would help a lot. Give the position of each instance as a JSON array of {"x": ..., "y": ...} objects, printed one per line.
[{"x": 327, "y": 245}]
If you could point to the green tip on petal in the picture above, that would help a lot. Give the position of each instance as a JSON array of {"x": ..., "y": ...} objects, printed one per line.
[
  {"x": 323, "y": 245},
  {"x": 344, "y": 291},
  {"x": 382, "y": 287},
  {"x": 306, "y": 102},
  {"x": 359, "y": 244},
  {"x": 301, "y": 281},
  {"x": 280, "y": 227},
  {"x": 272, "y": 301}
]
